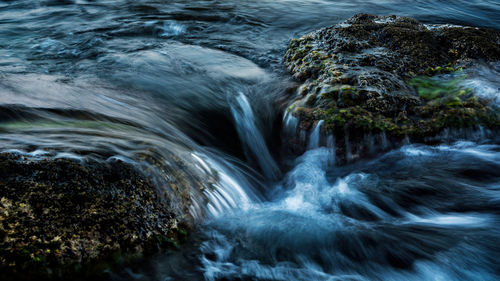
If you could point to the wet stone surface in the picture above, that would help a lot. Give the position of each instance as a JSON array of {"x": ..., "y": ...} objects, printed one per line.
[
  {"x": 389, "y": 78},
  {"x": 63, "y": 216}
]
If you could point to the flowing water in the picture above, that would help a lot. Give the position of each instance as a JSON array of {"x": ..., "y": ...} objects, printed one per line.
[{"x": 201, "y": 81}]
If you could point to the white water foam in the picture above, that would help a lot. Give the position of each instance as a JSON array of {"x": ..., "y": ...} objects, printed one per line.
[
  {"x": 228, "y": 191},
  {"x": 484, "y": 82},
  {"x": 452, "y": 219},
  {"x": 172, "y": 28}
]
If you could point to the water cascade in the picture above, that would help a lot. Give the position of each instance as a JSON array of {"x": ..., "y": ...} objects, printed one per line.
[
  {"x": 163, "y": 88},
  {"x": 250, "y": 135}
]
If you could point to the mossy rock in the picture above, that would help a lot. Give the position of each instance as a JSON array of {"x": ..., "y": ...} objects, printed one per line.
[
  {"x": 391, "y": 75},
  {"x": 63, "y": 218}
]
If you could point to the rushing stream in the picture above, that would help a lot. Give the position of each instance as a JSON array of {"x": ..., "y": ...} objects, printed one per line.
[{"x": 201, "y": 80}]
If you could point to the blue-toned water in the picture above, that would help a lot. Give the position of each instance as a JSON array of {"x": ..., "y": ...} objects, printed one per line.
[{"x": 202, "y": 80}]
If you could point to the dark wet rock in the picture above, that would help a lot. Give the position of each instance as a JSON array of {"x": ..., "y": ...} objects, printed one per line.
[
  {"x": 375, "y": 79},
  {"x": 59, "y": 217}
]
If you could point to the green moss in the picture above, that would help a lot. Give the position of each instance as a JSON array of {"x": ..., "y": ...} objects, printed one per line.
[
  {"x": 431, "y": 71},
  {"x": 182, "y": 232},
  {"x": 352, "y": 118},
  {"x": 25, "y": 252},
  {"x": 447, "y": 92},
  {"x": 165, "y": 241},
  {"x": 349, "y": 96},
  {"x": 64, "y": 241},
  {"x": 345, "y": 94},
  {"x": 330, "y": 93},
  {"x": 299, "y": 54},
  {"x": 357, "y": 92}
]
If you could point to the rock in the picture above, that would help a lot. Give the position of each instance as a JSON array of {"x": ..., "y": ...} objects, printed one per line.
[
  {"x": 61, "y": 217},
  {"x": 372, "y": 76}
]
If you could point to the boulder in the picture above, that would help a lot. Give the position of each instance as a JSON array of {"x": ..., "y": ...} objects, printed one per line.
[
  {"x": 378, "y": 78},
  {"x": 61, "y": 217}
]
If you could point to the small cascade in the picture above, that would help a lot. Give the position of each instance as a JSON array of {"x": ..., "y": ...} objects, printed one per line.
[
  {"x": 314, "y": 138},
  {"x": 290, "y": 123},
  {"x": 230, "y": 190},
  {"x": 448, "y": 135},
  {"x": 384, "y": 141},
  {"x": 316, "y": 213},
  {"x": 406, "y": 140},
  {"x": 251, "y": 137},
  {"x": 483, "y": 80},
  {"x": 330, "y": 144}
]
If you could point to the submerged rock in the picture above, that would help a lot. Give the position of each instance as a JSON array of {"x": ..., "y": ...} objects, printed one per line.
[
  {"x": 391, "y": 77},
  {"x": 59, "y": 217},
  {"x": 81, "y": 192}
]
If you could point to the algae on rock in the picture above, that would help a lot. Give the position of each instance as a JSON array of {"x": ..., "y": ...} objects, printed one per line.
[
  {"x": 60, "y": 217},
  {"x": 373, "y": 75}
]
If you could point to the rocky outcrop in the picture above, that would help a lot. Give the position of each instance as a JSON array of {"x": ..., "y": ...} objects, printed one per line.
[
  {"x": 375, "y": 77},
  {"x": 59, "y": 217}
]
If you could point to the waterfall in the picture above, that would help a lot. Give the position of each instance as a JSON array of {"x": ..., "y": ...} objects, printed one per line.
[
  {"x": 251, "y": 137},
  {"x": 232, "y": 190},
  {"x": 330, "y": 144},
  {"x": 290, "y": 123},
  {"x": 314, "y": 138}
]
